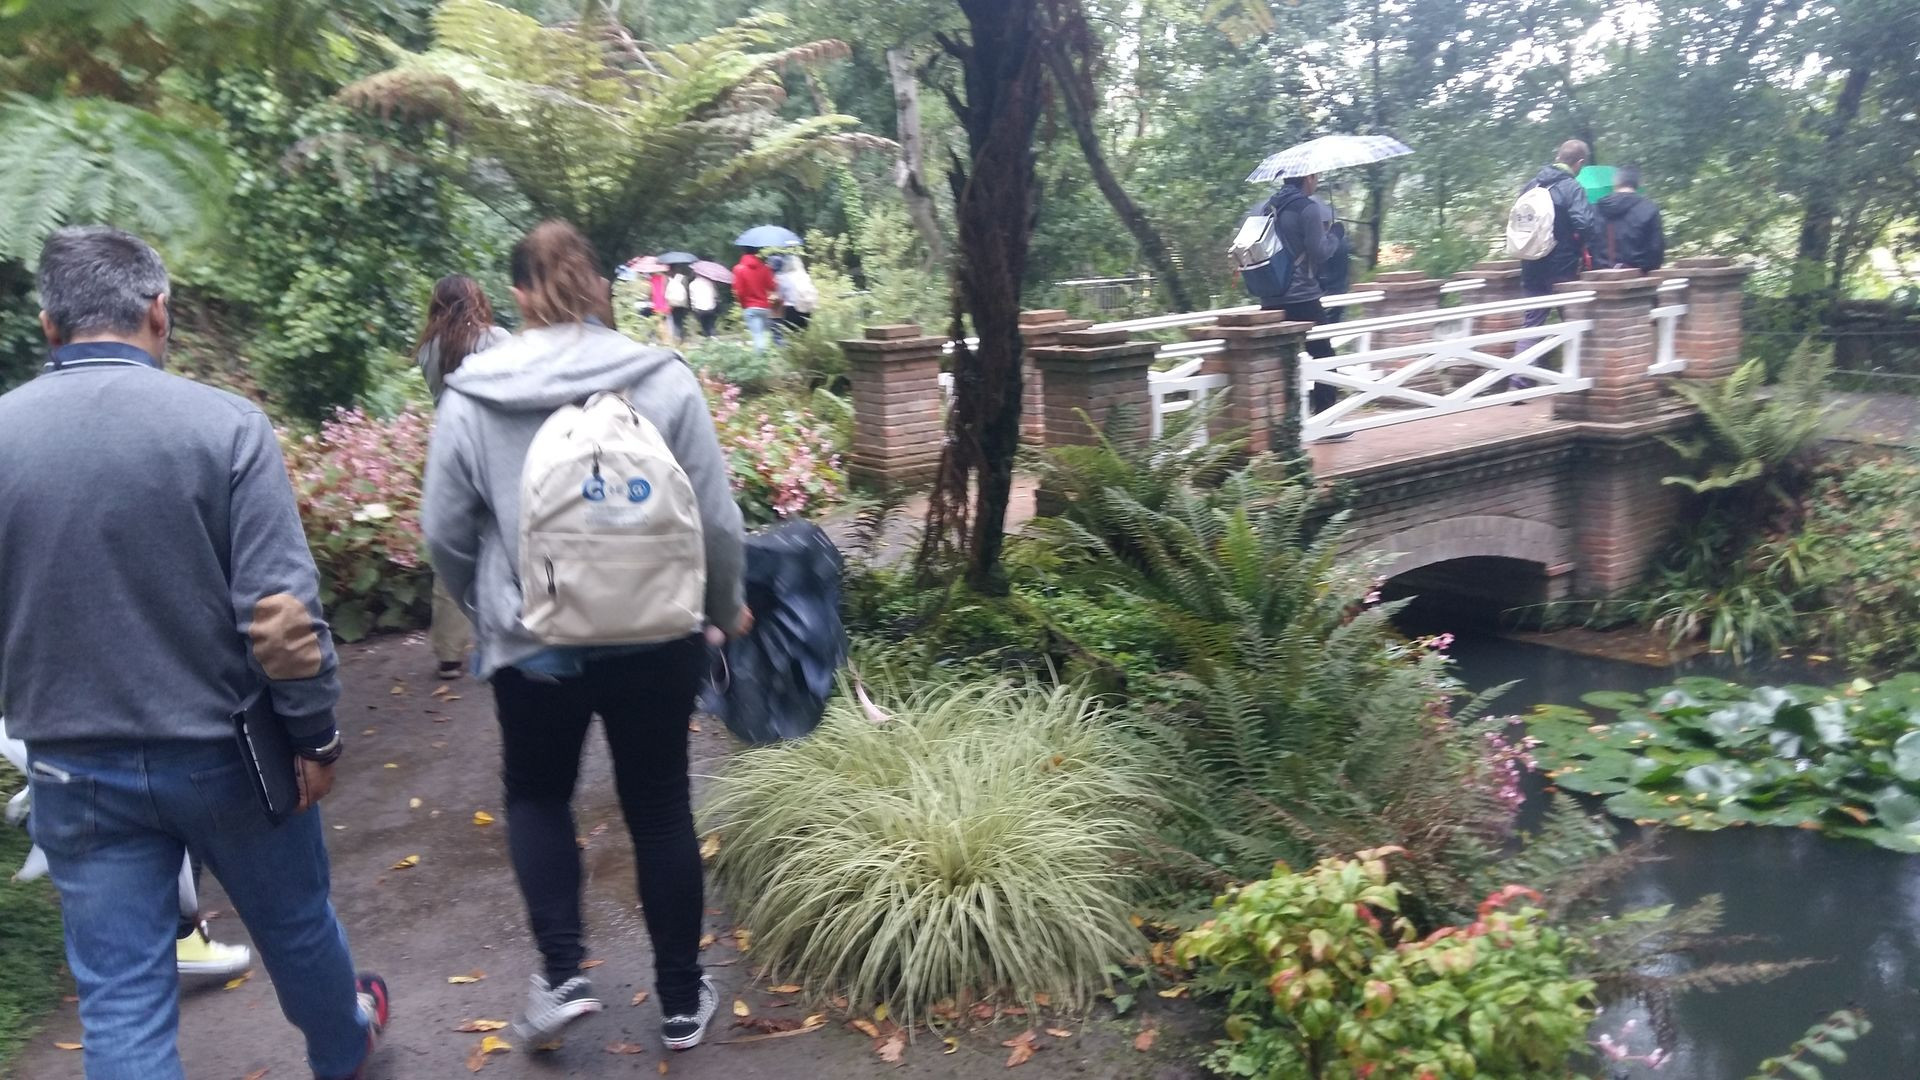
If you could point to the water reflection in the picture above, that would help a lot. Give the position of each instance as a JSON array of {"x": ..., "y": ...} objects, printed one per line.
[{"x": 1848, "y": 904}]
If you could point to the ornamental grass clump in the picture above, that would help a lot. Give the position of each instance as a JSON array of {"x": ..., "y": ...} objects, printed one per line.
[{"x": 966, "y": 842}]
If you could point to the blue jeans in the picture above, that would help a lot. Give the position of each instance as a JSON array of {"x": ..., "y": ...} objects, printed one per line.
[
  {"x": 760, "y": 325},
  {"x": 115, "y": 819}
]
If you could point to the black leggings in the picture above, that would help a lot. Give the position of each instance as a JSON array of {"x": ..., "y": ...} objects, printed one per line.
[{"x": 644, "y": 701}]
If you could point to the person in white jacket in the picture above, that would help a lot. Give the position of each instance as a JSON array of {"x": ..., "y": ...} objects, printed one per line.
[{"x": 798, "y": 296}]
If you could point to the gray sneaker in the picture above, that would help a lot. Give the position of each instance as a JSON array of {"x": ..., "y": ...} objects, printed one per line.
[
  {"x": 550, "y": 1008},
  {"x": 683, "y": 1031}
]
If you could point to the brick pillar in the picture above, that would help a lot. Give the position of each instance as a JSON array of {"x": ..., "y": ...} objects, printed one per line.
[
  {"x": 1709, "y": 336},
  {"x": 1503, "y": 283},
  {"x": 1616, "y": 352},
  {"x": 1407, "y": 291},
  {"x": 1622, "y": 514},
  {"x": 1098, "y": 373},
  {"x": 899, "y": 416},
  {"x": 1039, "y": 329},
  {"x": 1259, "y": 346}
]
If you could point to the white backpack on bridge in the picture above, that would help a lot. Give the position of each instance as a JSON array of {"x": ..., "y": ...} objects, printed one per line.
[
  {"x": 611, "y": 551},
  {"x": 1530, "y": 224}
]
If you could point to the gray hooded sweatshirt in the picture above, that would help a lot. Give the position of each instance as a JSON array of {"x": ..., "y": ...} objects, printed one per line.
[{"x": 495, "y": 403}]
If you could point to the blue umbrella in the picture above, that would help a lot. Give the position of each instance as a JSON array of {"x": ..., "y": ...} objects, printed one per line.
[
  {"x": 766, "y": 236},
  {"x": 673, "y": 257}
]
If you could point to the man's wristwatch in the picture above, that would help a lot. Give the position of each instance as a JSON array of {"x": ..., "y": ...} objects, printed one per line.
[{"x": 325, "y": 755}]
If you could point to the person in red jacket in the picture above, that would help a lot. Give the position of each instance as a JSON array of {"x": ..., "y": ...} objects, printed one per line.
[{"x": 759, "y": 296}]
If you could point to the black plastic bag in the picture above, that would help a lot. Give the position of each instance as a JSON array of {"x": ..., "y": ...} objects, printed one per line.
[{"x": 773, "y": 683}]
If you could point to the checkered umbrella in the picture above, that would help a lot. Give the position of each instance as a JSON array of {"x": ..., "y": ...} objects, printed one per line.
[{"x": 1327, "y": 153}]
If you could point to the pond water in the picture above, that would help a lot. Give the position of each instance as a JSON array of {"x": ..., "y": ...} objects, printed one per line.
[{"x": 1845, "y": 903}]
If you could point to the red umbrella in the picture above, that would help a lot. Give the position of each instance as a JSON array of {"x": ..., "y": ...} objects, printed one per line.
[{"x": 713, "y": 271}]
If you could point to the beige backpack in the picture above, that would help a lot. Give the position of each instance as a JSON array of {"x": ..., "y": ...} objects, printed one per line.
[{"x": 611, "y": 551}]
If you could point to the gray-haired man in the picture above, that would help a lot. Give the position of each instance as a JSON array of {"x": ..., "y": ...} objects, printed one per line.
[{"x": 154, "y": 580}]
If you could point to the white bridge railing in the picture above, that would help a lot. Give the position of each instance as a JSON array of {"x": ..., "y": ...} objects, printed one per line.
[
  {"x": 1449, "y": 368},
  {"x": 1452, "y": 371}
]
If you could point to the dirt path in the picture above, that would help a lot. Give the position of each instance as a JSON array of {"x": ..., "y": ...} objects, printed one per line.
[{"x": 458, "y": 911}]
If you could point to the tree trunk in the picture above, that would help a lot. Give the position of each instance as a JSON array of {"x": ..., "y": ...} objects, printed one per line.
[
  {"x": 994, "y": 198},
  {"x": 1080, "y": 116},
  {"x": 909, "y": 170},
  {"x": 1816, "y": 224},
  {"x": 1374, "y": 215}
]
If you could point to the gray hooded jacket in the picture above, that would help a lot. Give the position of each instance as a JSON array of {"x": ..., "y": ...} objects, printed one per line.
[{"x": 497, "y": 401}]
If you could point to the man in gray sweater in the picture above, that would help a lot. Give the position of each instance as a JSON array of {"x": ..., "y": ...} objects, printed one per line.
[{"x": 154, "y": 582}]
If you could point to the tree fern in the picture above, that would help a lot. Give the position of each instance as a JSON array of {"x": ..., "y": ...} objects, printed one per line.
[{"x": 618, "y": 137}]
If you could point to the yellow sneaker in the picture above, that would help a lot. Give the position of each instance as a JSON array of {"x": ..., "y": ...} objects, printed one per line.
[{"x": 198, "y": 954}]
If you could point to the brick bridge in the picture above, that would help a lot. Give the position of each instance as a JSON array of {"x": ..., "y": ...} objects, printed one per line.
[{"x": 1513, "y": 464}]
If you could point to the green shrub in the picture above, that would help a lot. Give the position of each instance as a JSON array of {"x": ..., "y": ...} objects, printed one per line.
[
  {"x": 357, "y": 482},
  {"x": 970, "y": 845},
  {"x": 739, "y": 364},
  {"x": 1326, "y": 981},
  {"x": 30, "y": 938}
]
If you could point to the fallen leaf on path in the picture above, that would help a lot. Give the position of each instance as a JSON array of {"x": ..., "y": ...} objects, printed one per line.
[
  {"x": 840, "y": 1002},
  {"x": 880, "y": 1013},
  {"x": 891, "y": 1050},
  {"x": 414, "y": 803},
  {"x": 640, "y": 997},
  {"x": 710, "y": 846},
  {"x": 707, "y": 940},
  {"x": 369, "y": 731},
  {"x": 768, "y": 1025},
  {"x": 481, "y": 1025},
  {"x": 784, "y": 988},
  {"x": 1022, "y": 1046},
  {"x": 473, "y": 976},
  {"x": 66, "y": 1046},
  {"x": 255, "y": 1074},
  {"x": 493, "y": 1044},
  {"x": 390, "y": 765},
  {"x": 740, "y": 1008},
  {"x": 625, "y": 1048},
  {"x": 663, "y": 1068},
  {"x": 407, "y": 863},
  {"x": 743, "y": 939},
  {"x": 481, "y": 817},
  {"x": 1143, "y": 1042},
  {"x": 1060, "y": 1033},
  {"x": 397, "y": 691},
  {"x": 814, "y": 1020},
  {"x": 693, "y": 725},
  {"x": 812, "y": 1025},
  {"x": 1045, "y": 1001},
  {"x": 550, "y": 1046},
  {"x": 953, "y": 1045},
  {"x": 865, "y": 1027},
  {"x": 586, "y": 965},
  {"x": 1174, "y": 992},
  {"x": 234, "y": 983},
  {"x": 981, "y": 1011}
]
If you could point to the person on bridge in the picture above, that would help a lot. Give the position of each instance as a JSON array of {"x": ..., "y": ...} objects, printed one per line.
[
  {"x": 1306, "y": 229},
  {"x": 155, "y": 585},
  {"x": 1629, "y": 227},
  {"x": 1573, "y": 227}
]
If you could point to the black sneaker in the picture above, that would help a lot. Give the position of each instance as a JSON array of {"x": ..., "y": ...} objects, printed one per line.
[
  {"x": 683, "y": 1031},
  {"x": 550, "y": 1008}
]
